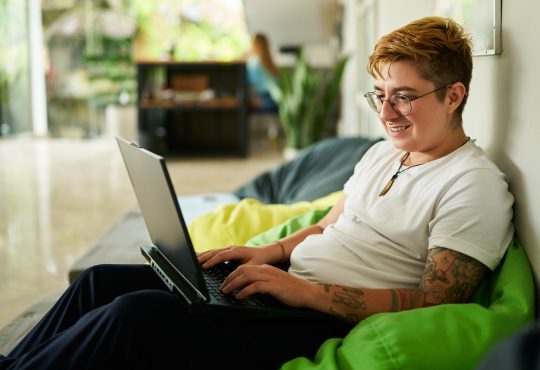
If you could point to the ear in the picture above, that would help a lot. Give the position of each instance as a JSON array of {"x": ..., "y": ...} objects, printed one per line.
[{"x": 456, "y": 94}]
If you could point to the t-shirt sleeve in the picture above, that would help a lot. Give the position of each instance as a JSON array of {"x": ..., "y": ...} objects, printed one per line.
[
  {"x": 360, "y": 166},
  {"x": 349, "y": 184},
  {"x": 474, "y": 217}
]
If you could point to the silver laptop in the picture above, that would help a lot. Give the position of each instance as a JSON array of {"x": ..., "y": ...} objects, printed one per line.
[{"x": 172, "y": 255}]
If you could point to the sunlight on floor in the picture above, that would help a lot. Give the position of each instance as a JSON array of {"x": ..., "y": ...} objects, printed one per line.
[{"x": 59, "y": 196}]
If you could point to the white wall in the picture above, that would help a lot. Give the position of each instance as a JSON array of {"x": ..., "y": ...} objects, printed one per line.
[
  {"x": 310, "y": 24},
  {"x": 503, "y": 109},
  {"x": 511, "y": 135}
]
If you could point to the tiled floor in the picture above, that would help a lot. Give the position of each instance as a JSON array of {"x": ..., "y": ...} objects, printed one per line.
[{"x": 59, "y": 196}]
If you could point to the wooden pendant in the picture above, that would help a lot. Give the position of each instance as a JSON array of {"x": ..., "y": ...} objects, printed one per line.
[{"x": 388, "y": 185}]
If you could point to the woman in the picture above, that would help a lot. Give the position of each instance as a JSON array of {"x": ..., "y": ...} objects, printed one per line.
[
  {"x": 261, "y": 71},
  {"x": 422, "y": 220}
]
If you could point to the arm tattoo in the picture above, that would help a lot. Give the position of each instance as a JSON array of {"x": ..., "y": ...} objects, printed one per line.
[
  {"x": 326, "y": 287},
  {"x": 450, "y": 276},
  {"x": 347, "y": 303},
  {"x": 408, "y": 298},
  {"x": 350, "y": 298}
]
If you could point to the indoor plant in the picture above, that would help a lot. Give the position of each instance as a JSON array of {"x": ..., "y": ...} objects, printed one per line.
[{"x": 305, "y": 97}]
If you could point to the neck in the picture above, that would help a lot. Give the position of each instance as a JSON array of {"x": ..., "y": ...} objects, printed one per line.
[{"x": 449, "y": 145}]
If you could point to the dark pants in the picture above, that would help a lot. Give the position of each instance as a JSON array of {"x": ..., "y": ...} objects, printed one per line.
[{"x": 121, "y": 316}]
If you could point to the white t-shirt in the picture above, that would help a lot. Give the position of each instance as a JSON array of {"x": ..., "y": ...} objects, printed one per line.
[{"x": 460, "y": 202}]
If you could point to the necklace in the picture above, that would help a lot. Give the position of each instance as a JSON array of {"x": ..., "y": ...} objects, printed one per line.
[{"x": 390, "y": 182}]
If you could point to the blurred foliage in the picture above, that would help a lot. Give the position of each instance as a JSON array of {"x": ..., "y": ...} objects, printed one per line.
[
  {"x": 14, "y": 68},
  {"x": 111, "y": 73},
  {"x": 87, "y": 70},
  {"x": 306, "y": 97},
  {"x": 190, "y": 30}
]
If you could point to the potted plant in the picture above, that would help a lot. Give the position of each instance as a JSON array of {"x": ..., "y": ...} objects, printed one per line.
[
  {"x": 111, "y": 73},
  {"x": 305, "y": 98}
]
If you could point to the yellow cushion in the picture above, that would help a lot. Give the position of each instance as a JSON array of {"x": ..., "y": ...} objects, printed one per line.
[{"x": 235, "y": 224}]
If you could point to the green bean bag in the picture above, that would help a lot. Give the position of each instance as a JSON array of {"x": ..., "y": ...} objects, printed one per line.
[{"x": 449, "y": 336}]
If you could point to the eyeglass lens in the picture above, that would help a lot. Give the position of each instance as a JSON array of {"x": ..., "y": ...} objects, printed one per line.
[{"x": 400, "y": 103}]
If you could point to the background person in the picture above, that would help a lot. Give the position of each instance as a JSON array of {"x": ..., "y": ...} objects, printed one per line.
[{"x": 260, "y": 70}]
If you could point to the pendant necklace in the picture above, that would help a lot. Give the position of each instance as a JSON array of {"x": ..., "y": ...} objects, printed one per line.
[{"x": 390, "y": 182}]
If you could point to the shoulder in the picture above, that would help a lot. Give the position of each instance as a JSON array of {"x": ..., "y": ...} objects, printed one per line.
[
  {"x": 467, "y": 162},
  {"x": 472, "y": 156},
  {"x": 378, "y": 152},
  {"x": 253, "y": 65},
  {"x": 379, "y": 158},
  {"x": 470, "y": 175},
  {"x": 383, "y": 148}
]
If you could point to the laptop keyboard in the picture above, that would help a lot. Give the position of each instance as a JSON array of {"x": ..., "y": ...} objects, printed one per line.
[{"x": 217, "y": 274}]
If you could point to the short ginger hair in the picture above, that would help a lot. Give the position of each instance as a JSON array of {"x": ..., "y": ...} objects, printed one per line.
[{"x": 439, "y": 47}]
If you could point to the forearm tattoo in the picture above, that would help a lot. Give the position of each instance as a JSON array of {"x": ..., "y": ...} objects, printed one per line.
[
  {"x": 350, "y": 302},
  {"x": 449, "y": 277},
  {"x": 408, "y": 298}
]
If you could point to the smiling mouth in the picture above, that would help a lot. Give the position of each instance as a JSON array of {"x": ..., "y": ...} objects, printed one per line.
[{"x": 397, "y": 128}]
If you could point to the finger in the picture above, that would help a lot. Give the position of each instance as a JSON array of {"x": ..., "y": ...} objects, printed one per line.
[
  {"x": 214, "y": 260},
  {"x": 236, "y": 273},
  {"x": 261, "y": 287},
  {"x": 245, "y": 275},
  {"x": 211, "y": 252},
  {"x": 226, "y": 286},
  {"x": 221, "y": 256},
  {"x": 205, "y": 256},
  {"x": 290, "y": 294}
]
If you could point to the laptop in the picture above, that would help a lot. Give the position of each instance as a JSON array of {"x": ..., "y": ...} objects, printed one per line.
[{"x": 171, "y": 254}]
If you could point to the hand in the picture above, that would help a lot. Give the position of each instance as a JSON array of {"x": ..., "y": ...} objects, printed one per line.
[
  {"x": 245, "y": 255},
  {"x": 267, "y": 279}
]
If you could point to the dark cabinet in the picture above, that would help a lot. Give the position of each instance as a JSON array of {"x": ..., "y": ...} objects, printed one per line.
[{"x": 192, "y": 108}]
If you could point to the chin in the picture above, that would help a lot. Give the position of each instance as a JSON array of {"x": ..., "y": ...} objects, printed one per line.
[{"x": 400, "y": 143}]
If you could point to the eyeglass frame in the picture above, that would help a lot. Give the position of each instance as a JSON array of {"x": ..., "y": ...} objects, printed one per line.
[{"x": 409, "y": 99}]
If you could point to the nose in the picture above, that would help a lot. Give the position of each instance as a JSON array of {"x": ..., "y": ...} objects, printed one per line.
[{"x": 387, "y": 112}]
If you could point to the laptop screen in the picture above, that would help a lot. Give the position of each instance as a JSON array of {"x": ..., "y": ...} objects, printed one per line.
[{"x": 160, "y": 209}]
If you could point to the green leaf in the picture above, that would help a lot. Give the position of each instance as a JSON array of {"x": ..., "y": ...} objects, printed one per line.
[{"x": 305, "y": 98}]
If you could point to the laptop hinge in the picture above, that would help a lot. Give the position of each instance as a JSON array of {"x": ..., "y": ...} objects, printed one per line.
[{"x": 167, "y": 275}]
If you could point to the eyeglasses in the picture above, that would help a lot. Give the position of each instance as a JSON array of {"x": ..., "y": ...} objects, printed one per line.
[{"x": 401, "y": 104}]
